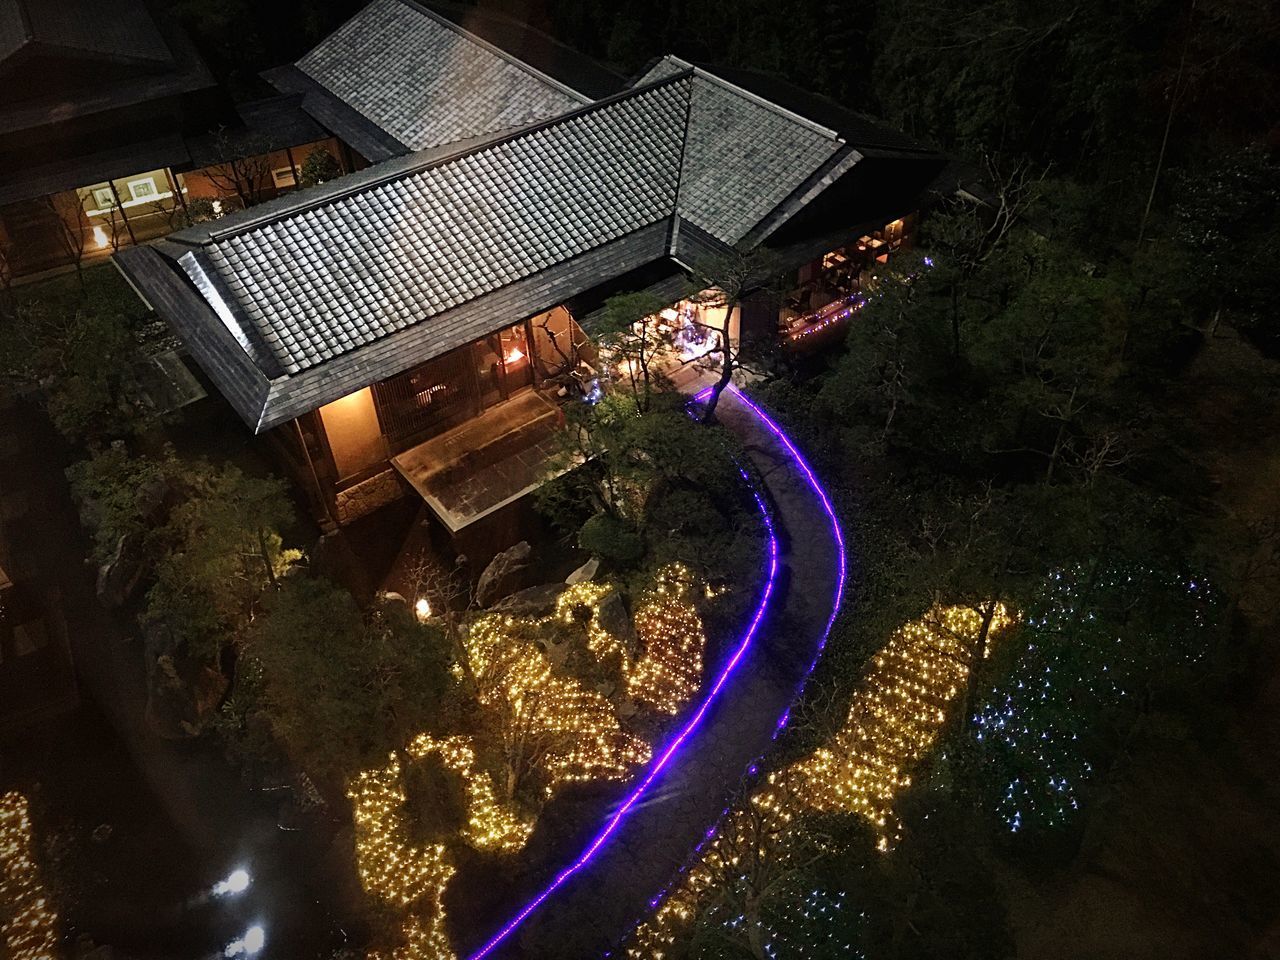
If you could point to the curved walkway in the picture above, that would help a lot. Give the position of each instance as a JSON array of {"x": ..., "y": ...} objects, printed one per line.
[{"x": 584, "y": 910}]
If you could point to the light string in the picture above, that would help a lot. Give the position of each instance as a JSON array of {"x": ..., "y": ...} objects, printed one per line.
[{"x": 28, "y": 921}]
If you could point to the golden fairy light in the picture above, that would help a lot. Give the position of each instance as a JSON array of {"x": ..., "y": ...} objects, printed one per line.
[
  {"x": 556, "y": 724},
  {"x": 28, "y": 922},
  {"x": 550, "y": 723},
  {"x": 897, "y": 714},
  {"x": 668, "y": 673}
]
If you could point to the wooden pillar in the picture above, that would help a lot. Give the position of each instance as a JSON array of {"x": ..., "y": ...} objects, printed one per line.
[
  {"x": 297, "y": 173},
  {"x": 123, "y": 216},
  {"x": 759, "y": 320},
  {"x": 323, "y": 499},
  {"x": 177, "y": 191}
]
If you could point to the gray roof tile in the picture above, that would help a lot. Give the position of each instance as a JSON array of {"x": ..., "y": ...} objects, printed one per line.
[
  {"x": 126, "y": 32},
  {"x": 744, "y": 155},
  {"x": 426, "y": 82},
  {"x": 410, "y": 258},
  {"x": 322, "y": 282}
]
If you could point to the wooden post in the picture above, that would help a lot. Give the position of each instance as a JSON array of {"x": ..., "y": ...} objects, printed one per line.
[
  {"x": 123, "y": 216},
  {"x": 177, "y": 191},
  {"x": 324, "y": 501},
  {"x": 297, "y": 173}
]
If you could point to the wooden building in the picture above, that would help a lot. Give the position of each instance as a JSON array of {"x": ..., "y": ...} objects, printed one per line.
[{"x": 400, "y": 329}]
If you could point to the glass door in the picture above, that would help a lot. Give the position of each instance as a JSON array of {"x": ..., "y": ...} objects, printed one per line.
[{"x": 503, "y": 365}]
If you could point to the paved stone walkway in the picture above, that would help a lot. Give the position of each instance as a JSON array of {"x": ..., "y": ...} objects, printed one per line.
[{"x": 586, "y": 915}]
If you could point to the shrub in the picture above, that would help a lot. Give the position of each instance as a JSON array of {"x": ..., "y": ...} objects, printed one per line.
[{"x": 611, "y": 539}]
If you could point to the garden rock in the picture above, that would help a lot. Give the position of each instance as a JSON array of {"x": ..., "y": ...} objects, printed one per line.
[
  {"x": 534, "y": 602},
  {"x": 119, "y": 577},
  {"x": 584, "y": 573},
  {"x": 615, "y": 619},
  {"x": 557, "y": 654},
  {"x": 182, "y": 707},
  {"x": 496, "y": 580}
]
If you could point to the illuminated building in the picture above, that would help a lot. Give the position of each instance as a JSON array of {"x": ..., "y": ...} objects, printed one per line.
[{"x": 486, "y": 172}]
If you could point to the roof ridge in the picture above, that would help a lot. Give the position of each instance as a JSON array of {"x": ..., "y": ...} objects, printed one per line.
[
  {"x": 255, "y": 223},
  {"x": 755, "y": 98},
  {"x": 497, "y": 50}
]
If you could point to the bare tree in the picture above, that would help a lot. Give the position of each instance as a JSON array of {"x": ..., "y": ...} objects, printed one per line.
[
  {"x": 568, "y": 348},
  {"x": 733, "y": 276},
  {"x": 68, "y": 209},
  {"x": 246, "y": 169},
  {"x": 979, "y": 230},
  {"x": 761, "y": 849},
  {"x": 449, "y": 597},
  {"x": 627, "y": 330},
  {"x": 172, "y": 213}
]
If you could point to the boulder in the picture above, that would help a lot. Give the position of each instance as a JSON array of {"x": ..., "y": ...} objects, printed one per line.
[
  {"x": 558, "y": 654},
  {"x": 534, "y": 602},
  {"x": 182, "y": 700},
  {"x": 497, "y": 579},
  {"x": 584, "y": 573},
  {"x": 390, "y": 596},
  {"x": 119, "y": 577},
  {"x": 615, "y": 619}
]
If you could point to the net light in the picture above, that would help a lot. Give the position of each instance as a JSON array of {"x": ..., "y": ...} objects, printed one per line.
[
  {"x": 897, "y": 714},
  {"x": 28, "y": 921},
  {"x": 583, "y": 737}
]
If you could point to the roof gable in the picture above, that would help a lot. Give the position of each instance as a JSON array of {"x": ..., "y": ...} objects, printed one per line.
[
  {"x": 426, "y": 81},
  {"x": 744, "y": 155}
]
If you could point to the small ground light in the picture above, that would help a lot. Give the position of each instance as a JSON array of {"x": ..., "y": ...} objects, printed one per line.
[
  {"x": 254, "y": 939},
  {"x": 422, "y": 608},
  {"x": 237, "y": 882}
]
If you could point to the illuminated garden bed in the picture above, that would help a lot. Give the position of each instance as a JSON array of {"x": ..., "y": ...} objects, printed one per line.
[
  {"x": 897, "y": 714},
  {"x": 549, "y": 742}
]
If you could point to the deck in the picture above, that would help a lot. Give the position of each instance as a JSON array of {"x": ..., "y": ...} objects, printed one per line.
[{"x": 481, "y": 466}]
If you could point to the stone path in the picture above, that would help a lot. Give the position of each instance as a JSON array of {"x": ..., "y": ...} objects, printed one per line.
[{"x": 593, "y": 907}]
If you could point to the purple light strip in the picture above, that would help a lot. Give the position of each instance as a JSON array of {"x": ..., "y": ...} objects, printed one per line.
[
  {"x": 822, "y": 642},
  {"x": 663, "y": 760},
  {"x": 695, "y": 721},
  {"x": 827, "y": 507}
]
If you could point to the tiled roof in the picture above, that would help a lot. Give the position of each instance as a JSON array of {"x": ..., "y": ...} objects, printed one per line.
[
  {"x": 13, "y": 32},
  {"x": 427, "y": 82},
  {"x": 125, "y": 32},
  {"x": 744, "y": 155},
  {"x": 302, "y": 300},
  {"x": 328, "y": 280}
]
